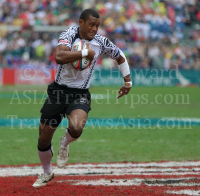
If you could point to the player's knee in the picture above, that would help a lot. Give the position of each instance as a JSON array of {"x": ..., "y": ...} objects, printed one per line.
[
  {"x": 75, "y": 131},
  {"x": 43, "y": 143}
]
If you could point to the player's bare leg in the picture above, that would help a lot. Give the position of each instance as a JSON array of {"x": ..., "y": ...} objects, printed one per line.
[
  {"x": 77, "y": 120},
  {"x": 45, "y": 153}
]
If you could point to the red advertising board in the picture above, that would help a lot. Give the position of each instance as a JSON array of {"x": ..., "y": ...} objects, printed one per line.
[
  {"x": 8, "y": 76},
  {"x": 30, "y": 75}
]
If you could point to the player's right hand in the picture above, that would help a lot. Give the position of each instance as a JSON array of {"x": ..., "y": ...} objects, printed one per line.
[{"x": 91, "y": 53}]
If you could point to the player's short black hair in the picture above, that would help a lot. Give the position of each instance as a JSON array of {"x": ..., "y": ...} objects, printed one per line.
[{"x": 86, "y": 13}]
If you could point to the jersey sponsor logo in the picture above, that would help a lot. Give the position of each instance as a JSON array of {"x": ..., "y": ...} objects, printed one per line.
[
  {"x": 63, "y": 41},
  {"x": 83, "y": 100}
]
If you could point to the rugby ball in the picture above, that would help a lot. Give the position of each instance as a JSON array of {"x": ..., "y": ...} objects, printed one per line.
[{"x": 84, "y": 62}]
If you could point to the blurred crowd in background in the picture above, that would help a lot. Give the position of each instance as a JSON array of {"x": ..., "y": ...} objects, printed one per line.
[{"x": 152, "y": 34}]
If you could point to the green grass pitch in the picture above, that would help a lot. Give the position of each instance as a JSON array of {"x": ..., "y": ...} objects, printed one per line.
[{"x": 19, "y": 146}]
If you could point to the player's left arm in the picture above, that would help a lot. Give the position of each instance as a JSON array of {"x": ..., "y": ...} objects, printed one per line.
[
  {"x": 115, "y": 53},
  {"x": 125, "y": 70}
]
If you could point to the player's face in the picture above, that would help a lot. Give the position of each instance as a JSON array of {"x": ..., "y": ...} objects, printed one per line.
[{"x": 89, "y": 28}]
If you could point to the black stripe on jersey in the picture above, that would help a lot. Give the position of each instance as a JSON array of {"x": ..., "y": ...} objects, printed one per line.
[
  {"x": 89, "y": 76},
  {"x": 59, "y": 73},
  {"x": 75, "y": 37},
  {"x": 106, "y": 42},
  {"x": 114, "y": 51},
  {"x": 87, "y": 80},
  {"x": 99, "y": 40},
  {"x": 63, "y": 34}
]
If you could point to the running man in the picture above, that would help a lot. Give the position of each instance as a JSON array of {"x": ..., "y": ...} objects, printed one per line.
[{"x": 68, "y": 95}]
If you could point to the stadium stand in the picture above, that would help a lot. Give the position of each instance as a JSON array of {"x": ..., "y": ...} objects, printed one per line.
[{"x": 153, "y": 34}]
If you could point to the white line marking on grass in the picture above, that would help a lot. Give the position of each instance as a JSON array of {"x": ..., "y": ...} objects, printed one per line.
[
  {"x": 124, "y": 182},
  {"x": 152, "y": 168},
  {"x": 99, "y": 170},
  {"x": 134, "y": 182},
  {"x": 185, "y": 192},
  {"x": 151, "y": 164},
  {"x": 104, "y": 182}
]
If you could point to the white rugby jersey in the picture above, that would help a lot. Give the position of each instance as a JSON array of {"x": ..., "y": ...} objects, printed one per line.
[{"x": 66, "y": 74}]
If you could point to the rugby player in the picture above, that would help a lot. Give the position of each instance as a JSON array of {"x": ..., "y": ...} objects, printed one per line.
[{"x": 68, "y": 95}]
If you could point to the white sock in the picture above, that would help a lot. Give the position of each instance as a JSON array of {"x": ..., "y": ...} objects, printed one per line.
[
  {"x": 68, "y": 139},
  {"x": 45, "y": 158}
]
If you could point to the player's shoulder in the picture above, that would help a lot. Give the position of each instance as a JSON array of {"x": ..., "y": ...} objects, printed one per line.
[
  {"x": 101, "y": 39},
  {"x": 69, "y": 34},
  {"x": 71, "y": 30}
]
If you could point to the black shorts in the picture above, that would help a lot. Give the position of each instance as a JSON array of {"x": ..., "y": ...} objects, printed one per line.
[{"x": 61, "y": 101}]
